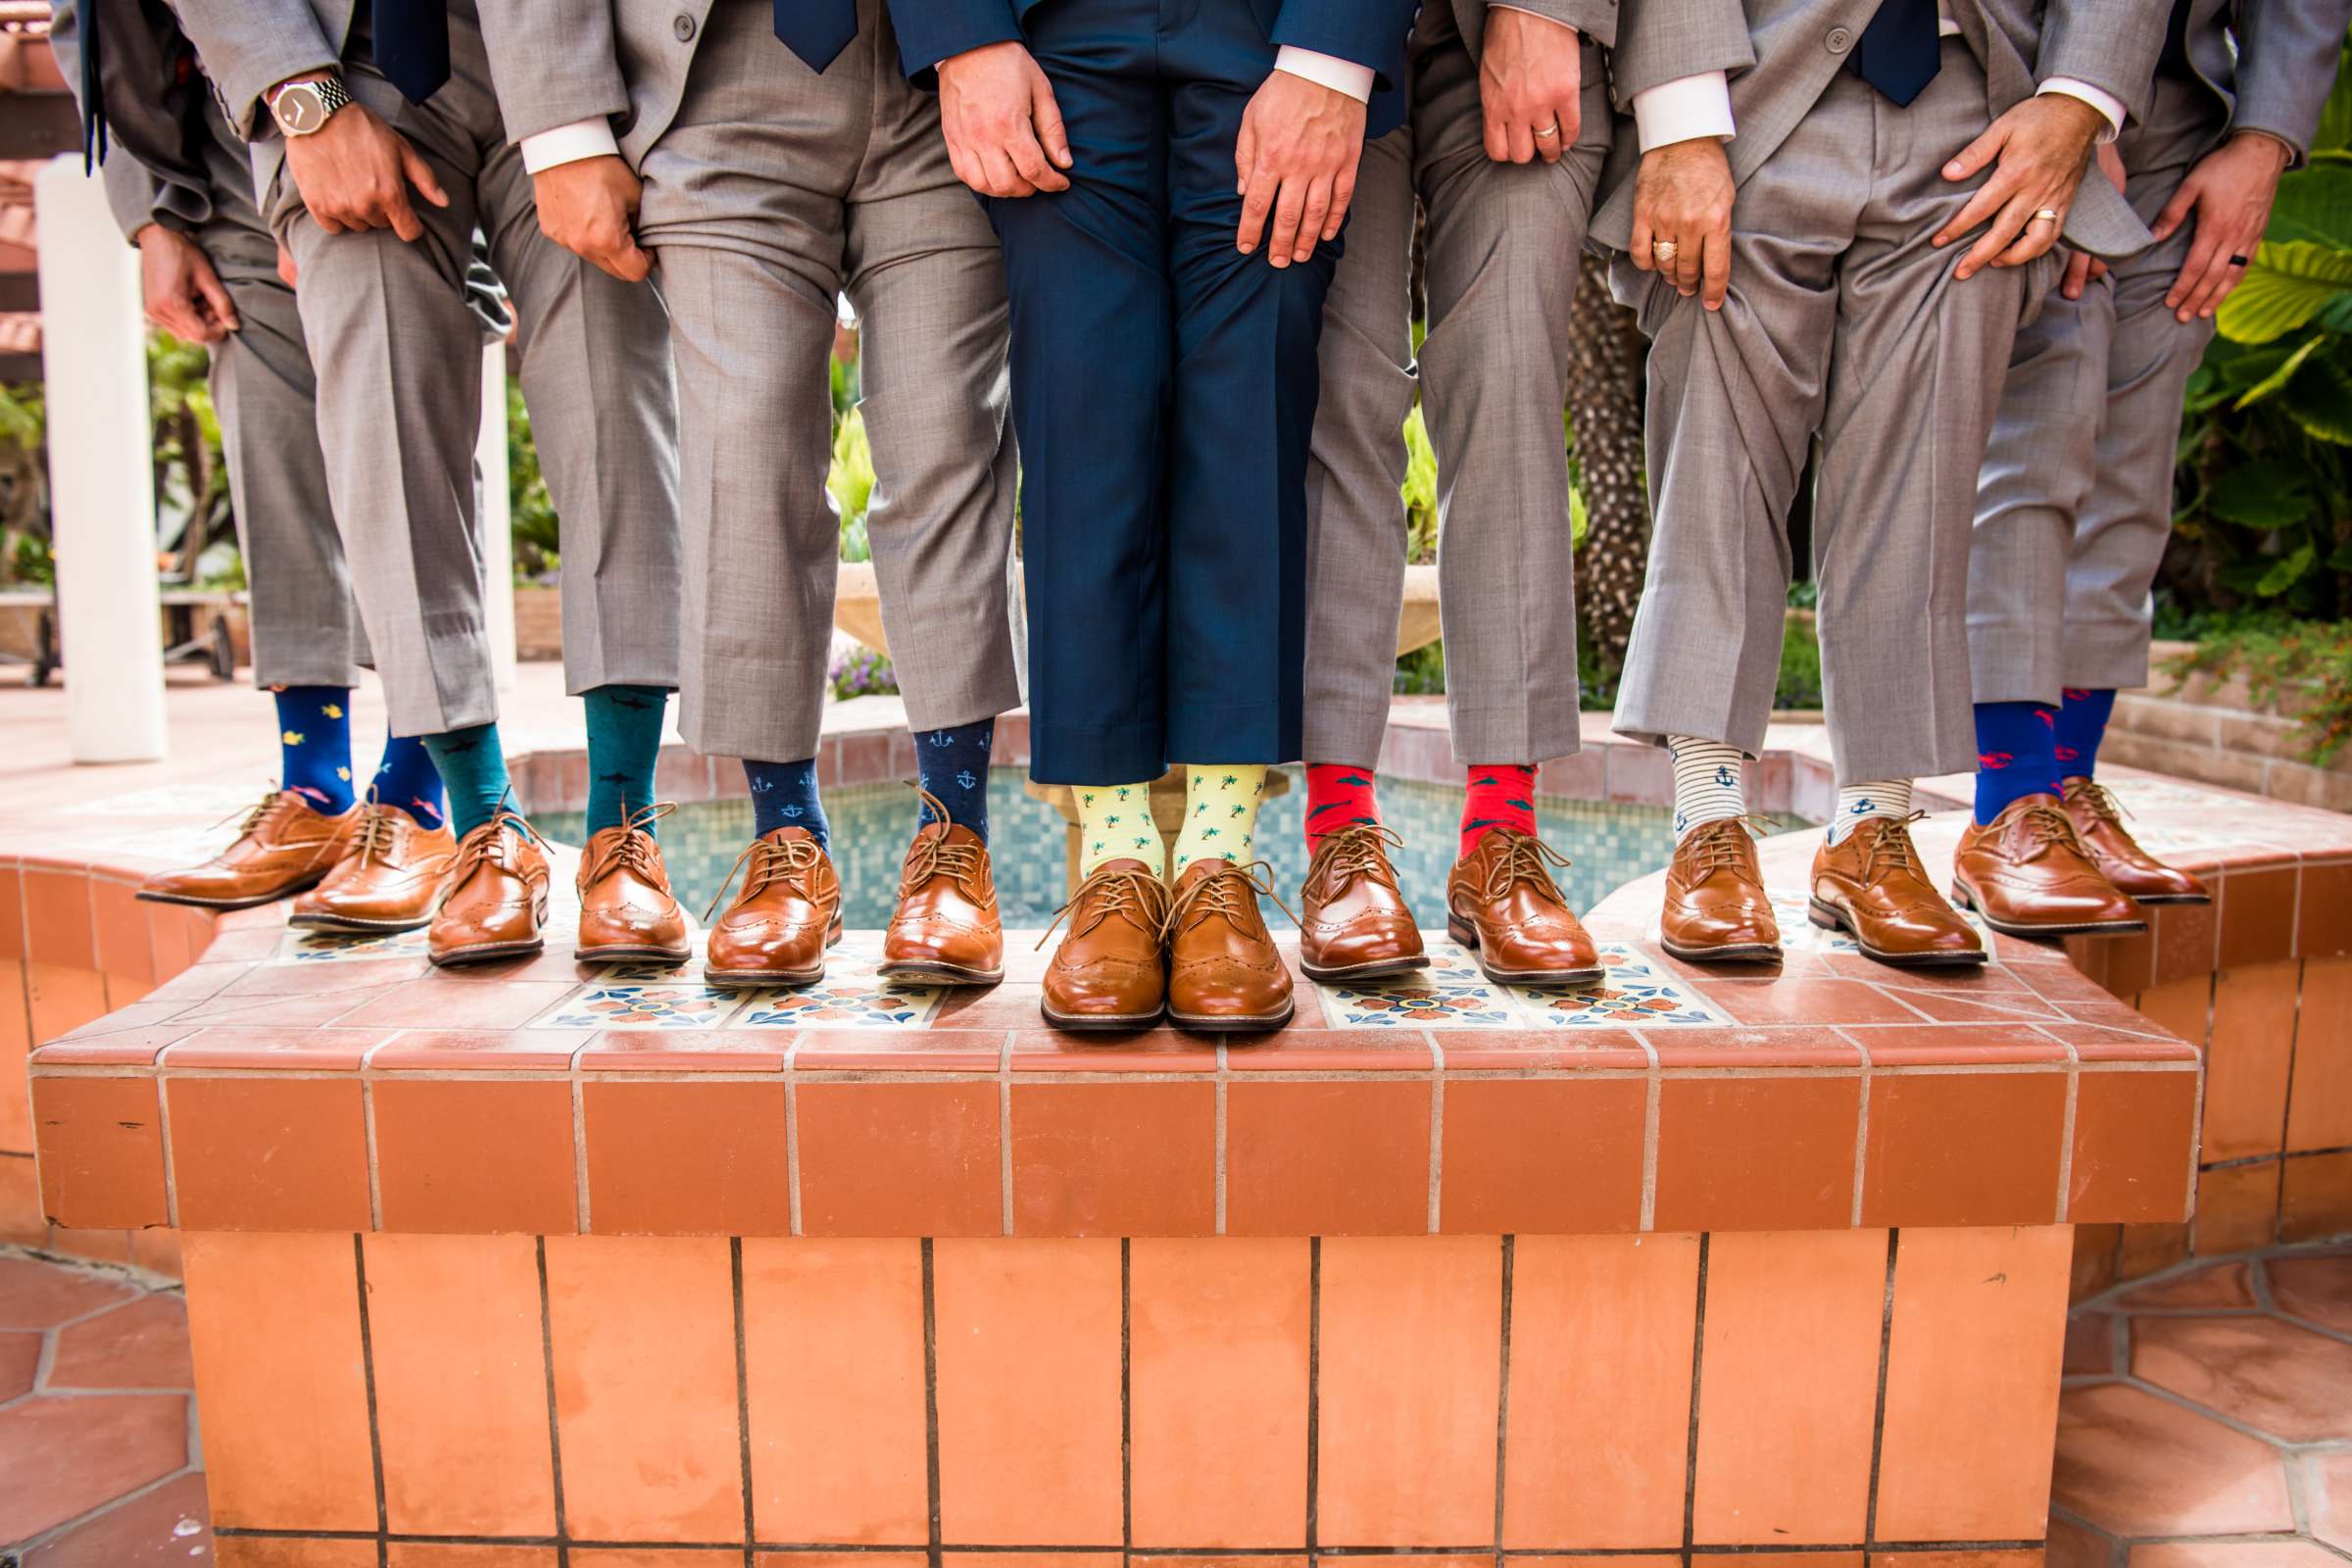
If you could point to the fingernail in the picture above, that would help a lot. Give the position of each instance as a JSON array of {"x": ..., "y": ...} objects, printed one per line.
[{"x": 1952, "y": 168}]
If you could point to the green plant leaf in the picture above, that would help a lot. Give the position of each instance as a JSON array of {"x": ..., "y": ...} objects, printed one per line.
[
  {"x": 2319, "y": 395},
  {"x": 2313, "y": 204},
  {"x": 2286, "y": 286},
  {"x": 2276, "y": 381},
  {"x": 2259, "y": 496},
  {"x": 2285, "y": 573}
]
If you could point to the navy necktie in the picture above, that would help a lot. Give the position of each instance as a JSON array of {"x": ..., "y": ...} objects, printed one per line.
[
  {"x": 2173, "y": 61},
  {"x": 1902, "y": 49},
  {"x": 817, "y": 30},
  {"x": 411, "y": 45}
]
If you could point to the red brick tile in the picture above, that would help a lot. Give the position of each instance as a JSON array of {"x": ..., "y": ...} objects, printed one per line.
[
  {"x": 2323, "y": 922},
  {"x": 273, "y": 1049},
  {"x": 139, "y": 1345},
  {"x": 909, "y": 1050},
  {"x": 269, "y": 1154},
  {"x": 1601, "y": 1336},
  {"x": 900, "y": 1159},
  {"x": 469, "y": 1050},
  {"x": 2318, "y": 1105},
  {"x": 440, "y": 1002},
  {"x": 1963, "y": 1149},
  {"x": 474, "y": 1158},
  {"x": 2122, "y": 1454},
  {"x": 58, "y": 924},
  {"x": 275, "y": 1324},
  {"x": 1806, "y": 1001},
  {"x": 12, "y": 912},
  {"x": 166, "y": 1528},
  {"x": 687, "y": 1159},
  {"x": 1328, "y": 1157},
  {"x": 1543, "y": 1051},
  {"x": 729, "y": 1051},
  {"x": 2150, "y": 1248},
  {"x": 248, "y": 1551},
  {"x": 460, "y": 1385},
  {"x": 101, "y": 1045},
  {"x": 20, "y": 1362},
  {"x": 2238, "y": 1207},
  {"x": 2183, "y": 1007},
  {"x": 1973, "y": 1363},
  {"x": 35, "y": 1294},
  {"x": 1748, "y": 1048},
  {"x": 1028, "y": 1337},
  {"x": 645, "y": 1387},
  {"x": 2266, "y": 1375},
  {"x": 61, "y": 999},
  {"x": 2185, "y": 938},
  {"x": 2315, "y": 1198},
  {"x": 1789, "y": 1382},
  {"x": 1219, "y": 1392},
  {"x": 1756, "y": 1153},
  {"x": 473, "y": 1554},
  {"x": 1408, "y": 1384},
  {"x": 1313, "y": 1049},
  {"x": 1554, "y": 1155},
  {"x": 2134, "y": 1131},
  {"x": 1941, "y": 1046},
  {"x": 2246, "y": 1063},
  {"x": 833, "y": 1356},
  {"x": 101, "y": 1149},
  {"x": 1155, "y": 1051},
  {"x": 120, "y": 921},
  {"x": 1131, "y": 1159},
  {"x": 2221, "y": 1286},
  {"x": 20, "y": 1218},
  {"x": 67, "y": 1456},
  {"x": 2257, "y": 912}
]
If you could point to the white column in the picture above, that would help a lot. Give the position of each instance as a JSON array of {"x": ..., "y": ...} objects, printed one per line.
[
  {"x": 494, "y": 511},
  {"x": 101, "y": 474}
]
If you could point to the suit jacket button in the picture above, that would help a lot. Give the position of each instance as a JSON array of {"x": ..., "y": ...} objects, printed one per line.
[
  {"x": 683, "y": 25},
  {"x": 1840, "y": 40}
]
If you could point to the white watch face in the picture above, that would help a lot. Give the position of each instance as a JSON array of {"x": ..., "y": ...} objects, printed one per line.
[{"x": 299, "y": 111}]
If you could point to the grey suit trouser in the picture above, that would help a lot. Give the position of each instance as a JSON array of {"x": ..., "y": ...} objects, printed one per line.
[
  {"x": 1503, "y": 242},
  {"x": 1844, "y": 339},
  {"x": 773, "y": 190},
  {"x": 306, "y": 630},
  {"x": 2075, "y": 499},
  {"x": 398, "y": 354}
]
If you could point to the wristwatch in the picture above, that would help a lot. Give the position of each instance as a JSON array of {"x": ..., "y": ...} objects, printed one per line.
[{"x": 303, "y": 108}]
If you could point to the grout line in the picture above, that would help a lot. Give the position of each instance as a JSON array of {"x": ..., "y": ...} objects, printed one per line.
[
  {"x": 1502, "y": 1400},
  {"x": 579, "y": 1149},
  {"x": 376, "y": 1436},
  {"x": 931, "y": 1395},
  {"x": 1698, "y": 1349},
  {"x": 743, "y": 1393},
  {"x": 1861, "y": 1141},
  {"x": 1653, "y": 1095},
  {"x": 1224, "y": 1080},
  {"x": 162, "y": 1127},
  {"x": 1005, "y": 1145},
  {"x": 1126, "y": 1395},
  {"x": 2065, "y": 1130},
  {"x": 1878, "y": 1417},
  {"x": 1437, "y": 1125},
  {"x": 375, "y": 1178},
  {"x": 554, "y": 1435},
  {"x": 1314, "y": 1388},
  {"x": 792, "y": 1156}
]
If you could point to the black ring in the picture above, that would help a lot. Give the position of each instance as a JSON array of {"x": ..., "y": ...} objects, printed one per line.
[{"x": 2238, "y": 260}]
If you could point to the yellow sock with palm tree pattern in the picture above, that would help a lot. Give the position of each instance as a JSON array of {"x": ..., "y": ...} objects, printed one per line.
[
  {"x": 1115, "y": 823},
  {"x": 1220, "y": 814}
]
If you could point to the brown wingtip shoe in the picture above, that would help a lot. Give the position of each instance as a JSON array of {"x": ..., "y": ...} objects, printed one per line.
[
  {"x": 946, "y": 930},
  {"x": 789, "y": 913},
  {"x": 282, "y": 847},
  {"x": 496, "y": 906},
  {"x": 1354, "y": 923},
  {"x": 1870, "y": 883},
  {"x": 1717, "y": 911},
  {"x": 1224, "y": 973},
  {"x": 2098, "y": 819},
  {"x": 2028, "y": 875},
  {"x": 626, "y": 909},
  {"x": 1111, "y": 971},
  {"x": 1501, "y": 904},
  {"x": 390, "y": 881}
]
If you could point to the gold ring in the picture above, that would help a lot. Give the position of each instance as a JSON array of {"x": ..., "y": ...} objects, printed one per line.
[
  {"x": 2048, "y": 215},
  {"x": 1663, "y": 249}
]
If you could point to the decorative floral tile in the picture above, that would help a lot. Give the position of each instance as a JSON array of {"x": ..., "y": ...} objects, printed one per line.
[
  {"x": 328, "y": 947},
  {"x": 641, "y": 1006},
  {"x": 1406, "y": 1002},
  {"x": 649, "y": 972},
  {"x": 842, "y": 1001},
  {"x": 1634, "y": 990}
]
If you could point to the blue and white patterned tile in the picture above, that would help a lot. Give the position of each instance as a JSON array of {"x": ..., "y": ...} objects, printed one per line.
[
  {"x": 641, "y": 1006},
  {"x": 1408, "y": 1003},
  {"x": 326, "y": 947},
  {"x": 842, "y": 1001},
  {"x": 1631, "y": 991}
]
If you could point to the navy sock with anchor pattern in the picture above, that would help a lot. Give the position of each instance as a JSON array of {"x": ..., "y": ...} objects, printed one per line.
[
  {"x": 952, "y": 765},
  {"x": 784, "y": 795}
]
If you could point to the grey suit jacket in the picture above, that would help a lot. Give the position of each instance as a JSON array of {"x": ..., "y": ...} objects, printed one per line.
[
  {"x": 1782, "y": 53},
  {"x": 135, "y": 194},
  {"x": 1596, "y": 19},
  {"x": 249, "y": 46},
  {"x": 2275, "y": 76}
]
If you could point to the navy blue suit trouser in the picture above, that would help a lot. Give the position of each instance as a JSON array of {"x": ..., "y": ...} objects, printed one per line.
[{"x": 1163, "y": 391}]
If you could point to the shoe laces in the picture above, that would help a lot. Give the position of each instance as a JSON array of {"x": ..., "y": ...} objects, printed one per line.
[
  {"x": 487, "y": 845},
  {"x": 1890, "y": 848},
  {"x": 2047, "y": 828},
  {"x": 1723, "y": 844},
  {"x": 1229, "y": 890},
  {"x": 770, "y": 863},
  {"x": 379, "y": 833},
  {"x": 933, "y": 855},
  {"x": 1525, "y": 859},
  {"x": 635, "y": 850},
  {"x": 2099, "y": 800},
  {"x": 276, "y": 804},
  {"x": 1138, "y": 896},
  {"x": 1360, "y": 850}
]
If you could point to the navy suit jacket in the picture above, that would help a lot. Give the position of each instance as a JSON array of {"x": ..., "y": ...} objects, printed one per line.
[{"x": 1369, "y": 33}]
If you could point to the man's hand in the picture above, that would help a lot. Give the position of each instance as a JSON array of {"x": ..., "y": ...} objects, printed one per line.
[
  {"x": 354, "y": 171},
  {"x": 1296, "y": 156},
  {"x": 2081, "y": 267},
  {"x": 183, "y": 293},
  {"x": 1004, "y": 128},
  {"x": 2229, "y": 190},
  {"x": 1530, "y": 84},
  {"x": 2039, "y": 151},
  {"x": 589, "y": 206},
  {"x": 1682, "y": 197}
]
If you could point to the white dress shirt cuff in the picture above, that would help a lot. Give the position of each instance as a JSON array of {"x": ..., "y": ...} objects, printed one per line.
[
  {"x": 1329, "y": 71},
  {"x": 1538, "y": 15},
  {"x": 568, "y": 144},
  {"x": 2105, "y": 101},
  {"x": 1684, "y": 110}
]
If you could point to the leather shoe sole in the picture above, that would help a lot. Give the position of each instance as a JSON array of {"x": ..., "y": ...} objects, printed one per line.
[
  {"x": 355, "y": 926},
  {"x": 1467, "y": 936},
  {"x": 458, "y": 958},
  {"x": 2168, "y": 897},
  {"x": 926, "y": 971},
  {"x": 1376, "y": 969},
  {"x": 1235, "y": 1023},
  {"x": 633, "y": 953},
  {"x": 762, "y": 979},
  {"x": 1965, "y": 897},
  {"x": 1830, "y": 917},
  {"x": 251, "y": 901},
  {"x": 1729, "y": 952},
  {"x": 1104, "y": 1023}
]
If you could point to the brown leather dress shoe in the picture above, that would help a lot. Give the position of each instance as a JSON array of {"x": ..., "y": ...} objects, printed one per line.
[
  {"x": 626, "y": 909},
  {"x": 496, "y": 906},
  {"x": 1870, "y": 883},
  {"x": 2098, "y": 819},
  {"x": 789, "y": 913},
  {"x": 2030, "y": 876},
  {"x": 1224, "y": 975},
  {"x": 946, "y": 930},
  {"x": 1354, "y": 923},
  {"x": 282, "y": 847},
  {"x": 1502, "y": 903},
  {"x": 390, "y": 880},
  {"x": 1111, "y": 971},
  {"x": 1717, "y": 911}
]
